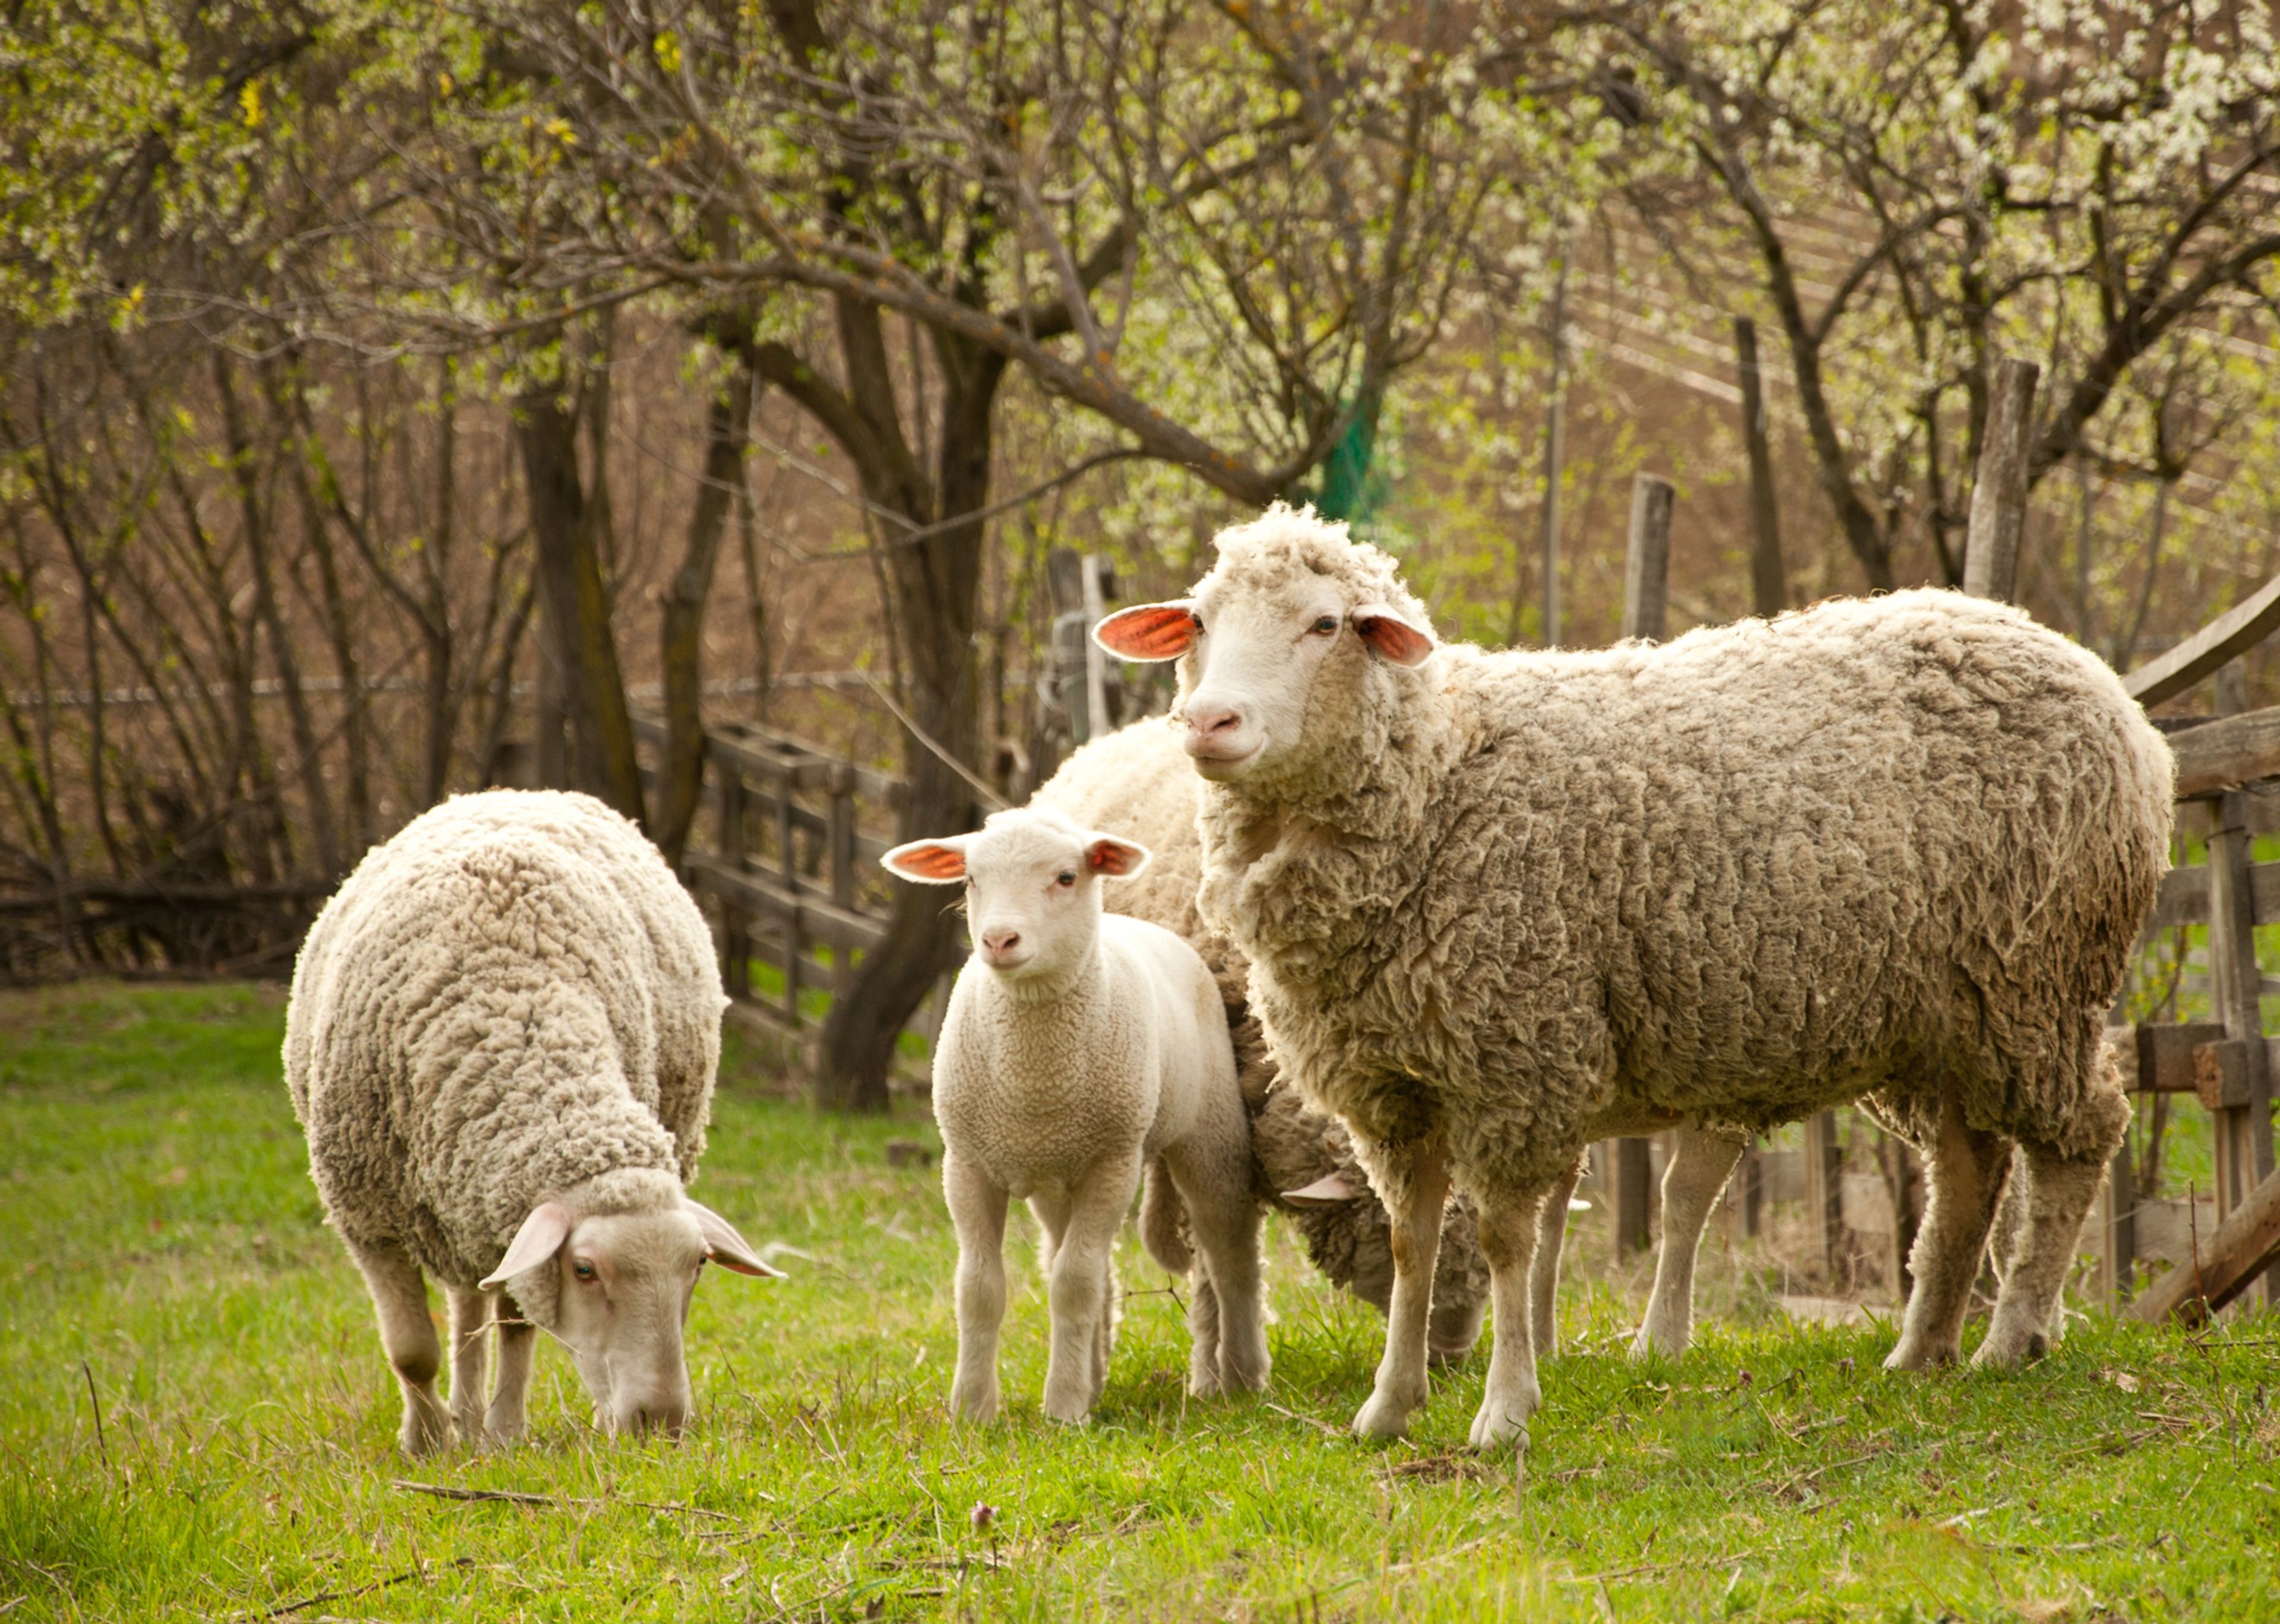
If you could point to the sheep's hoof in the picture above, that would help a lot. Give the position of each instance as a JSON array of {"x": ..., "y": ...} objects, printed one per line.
[
  {"x": 2005, "y": 1349},
  {"x": 1647, "y": 1346},
  {"x": 1497, "y": 1425},
  {"x": 1067, "y": 1411},
  {"x": 1381, "y": 1418},
  {"x": 424, "y": 1435},
  {"x": 979, "y": 1407},
  {"x": 1916, "y": 1356}
]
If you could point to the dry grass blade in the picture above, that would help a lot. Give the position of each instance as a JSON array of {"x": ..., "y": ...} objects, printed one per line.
[
  {"x": 512, "y": 1497},
  {"x": 285, "y": 1609}
]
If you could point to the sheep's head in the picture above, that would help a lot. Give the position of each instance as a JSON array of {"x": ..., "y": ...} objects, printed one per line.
[
  {"x": 614, "y": 1288},
  {"x": 1295, "y": 634},
  {"x": 1032, "y": 886}
]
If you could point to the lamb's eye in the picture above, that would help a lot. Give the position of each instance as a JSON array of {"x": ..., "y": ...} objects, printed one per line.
[
  {"x": 1325, "y": 626},
  {"x": 582, "y": 1269},
  {"x": 1066, "y": 877}
]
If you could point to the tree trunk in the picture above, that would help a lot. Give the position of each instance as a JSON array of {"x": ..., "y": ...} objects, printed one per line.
[
  {"x": 572, "y": 605},
  {"x": 682, "y": 779}
]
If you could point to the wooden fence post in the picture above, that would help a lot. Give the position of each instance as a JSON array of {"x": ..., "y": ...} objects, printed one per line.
[
  {"x": 1066, "y": 570},
  {"x": 1998, "y": 490},
  {"x": 735, "y": 929},
  {"x": 1769, "y": 580},
  {"x": 2243, "y": 1131},
  {"x": 1750, "y": 1190},
  {"x": 788, "y": 873},
  {"x": 1646, "y": 586},
  {"x": 841, "y": 833},
  {"x": 1824, "y": 1196},
  {"x": 2117, "y": 1272}
]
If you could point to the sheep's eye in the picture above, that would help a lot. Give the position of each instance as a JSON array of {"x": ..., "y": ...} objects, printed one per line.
[
  {"x": 1065, "y": 878},
  {"x": 1325, "y": 625},
  {"x": 582, "y": 1269}
]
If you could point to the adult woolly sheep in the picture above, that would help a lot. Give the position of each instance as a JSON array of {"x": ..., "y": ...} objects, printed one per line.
[
  {"x": 1899, "y": 845},
  {"x": 1078, "y": 1050},
  {"x": 1139, "y": 783},
  {"x": 501, "y": 1044}
]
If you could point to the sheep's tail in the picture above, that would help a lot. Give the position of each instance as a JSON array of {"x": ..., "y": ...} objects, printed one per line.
[{"x": 1163, "y": 1221}]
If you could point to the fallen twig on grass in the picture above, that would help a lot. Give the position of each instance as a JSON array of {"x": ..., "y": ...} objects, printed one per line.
[
  {"x": 418, "y": 1571},
  {"x": 1319, "y": 1426},
  {"x": 513, "y": 1497}
]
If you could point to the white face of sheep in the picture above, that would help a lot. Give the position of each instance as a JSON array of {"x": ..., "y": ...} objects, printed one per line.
[
  {"x": 620, "y": 1284},
  {"x": 1260, "y": 660},
  {"x": 1032, "y": 891}
]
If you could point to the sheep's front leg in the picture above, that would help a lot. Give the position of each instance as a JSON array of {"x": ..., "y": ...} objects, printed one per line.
[
  {"x": 1508, "y": 1238},
  {"x": 518, "y": 1345},
  {"x": 1412, "y": 1179},
  {"x": 399, "y": 1294},
  {"x": 1079, "y": 1290},
  {"x": 1700, "y": 1163},
  {"x": 977, "y": 1211},
  {"x": 2027, "y": 1319},
  {"x": 1543, "y": 1273},
  {"x": 471, "y": 1323},
  {"x": 1968, "y": 1168}
]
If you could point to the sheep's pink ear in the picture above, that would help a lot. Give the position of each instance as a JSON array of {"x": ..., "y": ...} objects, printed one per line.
[
  {"x": 1118, "y": 859},
  {"x": 1149, "y": 632},
  {"x": 1327, "y": 1191},
  {"x": 929, "y": 862},
  {"x": 1393, "y": 637},
  {"x": 541, "y": 1237},
  {"x": 724, "y": 1246}
]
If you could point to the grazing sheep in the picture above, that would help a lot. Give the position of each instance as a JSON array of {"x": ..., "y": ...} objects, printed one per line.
[
  {"x": 501, "y": 1044},
  {"x": 1080, "y": 1049},
  {"x": 1139, "y": 783},
  {"x": 1899, "y": 845}
]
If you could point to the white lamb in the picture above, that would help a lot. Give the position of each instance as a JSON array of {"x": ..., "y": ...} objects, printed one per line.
[
  {"x": 501, "y": 1043},
  {"x": 1080, "y": 1049}
]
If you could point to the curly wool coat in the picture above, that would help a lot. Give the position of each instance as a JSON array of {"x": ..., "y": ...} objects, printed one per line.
[
  {"x": 512, "y": 997},
  {"x": 1763, "y": 868},
  {"x": 1138, "y": 782}
]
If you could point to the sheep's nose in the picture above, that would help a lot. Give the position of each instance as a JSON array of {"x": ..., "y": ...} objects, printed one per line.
[
  {"x": 997, "y": 943},
  {"x": 1208, "y": 721}
]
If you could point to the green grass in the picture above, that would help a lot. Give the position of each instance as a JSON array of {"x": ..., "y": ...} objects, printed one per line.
[{"x": 165, "y": 1250}]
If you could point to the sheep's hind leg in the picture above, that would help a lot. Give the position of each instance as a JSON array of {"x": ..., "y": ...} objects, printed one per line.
[
  {"x": 518, "y": 1345},
  {"x": 1967, "y": 1176},
  {"x": 1082, "y": 1291},
  {"x": 399, "y": 1294},
  {"x": 1700, "y": 1163},
  {"x": 1543, "y": 1273},
  {"x": 1225, "y": 1222},
  {"x": 1413, "y": 1181},
  {"x": 977, "y": 1211},
  {"x": 470, "y": 1324},
  {"x": 2058, "y": 1197}
]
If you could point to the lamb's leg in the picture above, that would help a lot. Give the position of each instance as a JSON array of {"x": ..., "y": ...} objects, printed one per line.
[
  {"x": 1700, "y": 1164},
  {"x": 1076, "y": 1370},
  {"x": 977, "y": 1211},
  {"x": 518, "y": 1342},
  {"x": 1412, "y": 1179},
  {"x": 399, "y": 1293},
  {"x": 1544, "y": 1272},
  {"x": 471, "y": 1323},
  {"x": 2057, "y": 1196},
  {"x": 1966, "y": 1179},
  {"x": 1508, "y": 1237},
  {"x": 1203, "y": 1334},
  {"x": 1225, "y": 1222}
]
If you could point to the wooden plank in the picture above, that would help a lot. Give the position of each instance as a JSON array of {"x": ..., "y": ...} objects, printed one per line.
[
  {"x": 2163, "y": 1054},
  {"x": 1646, "y": 572},
  {"x": 1630, "y": 1193},
  {"x": 2232, "y": 1260},
  {"x": 2227, "y": 753},
  {"x": 2183, "y": 899},
  {"x": 840, "y": 927},
  {"x": 1824, "y": 1196},
  {"x": 1998, "y": 490},
  {"x": 2216, "y": 645}
]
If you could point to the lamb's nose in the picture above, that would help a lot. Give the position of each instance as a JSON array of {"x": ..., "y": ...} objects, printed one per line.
[
  {"x": 997, "y": 943},
  {"x": 1216, "y": 719}
]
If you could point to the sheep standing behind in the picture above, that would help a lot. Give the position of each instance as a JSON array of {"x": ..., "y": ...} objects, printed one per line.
[
  {"x": 1080, "y": 1049},
  {"x": 1899, "y": 845},
  {"x": 501, "y": 1044}
]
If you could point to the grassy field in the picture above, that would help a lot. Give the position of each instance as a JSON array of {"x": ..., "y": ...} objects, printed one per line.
[{"x": 197, "y": 1422}]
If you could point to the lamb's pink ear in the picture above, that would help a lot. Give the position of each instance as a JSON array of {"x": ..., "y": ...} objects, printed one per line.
[
  {"x": 1329, "y": 1190},
  {"x": 1148, "y": 632},
  {"x": 1118, "y": 859},
  {"x": 541, "y": 1237},
  {"x": 929, "y": 862},
  {"x": 1393, "y": 637},
  {"x": 724, "y": 1246}
]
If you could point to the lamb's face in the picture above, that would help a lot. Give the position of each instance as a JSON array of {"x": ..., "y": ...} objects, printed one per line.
[
  {"x": 1032, "y": 882},
  {"x": 618, "y": 1285}
]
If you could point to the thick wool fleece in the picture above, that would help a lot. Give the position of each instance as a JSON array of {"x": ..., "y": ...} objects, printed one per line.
[
  {"x": 512, "y": 997},
  {"x": 1138, "y": 783},
  {"x": 1760, "y": 869}
]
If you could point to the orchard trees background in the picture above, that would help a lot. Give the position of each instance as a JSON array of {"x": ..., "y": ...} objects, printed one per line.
[{"x": 401, "y": 399}]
